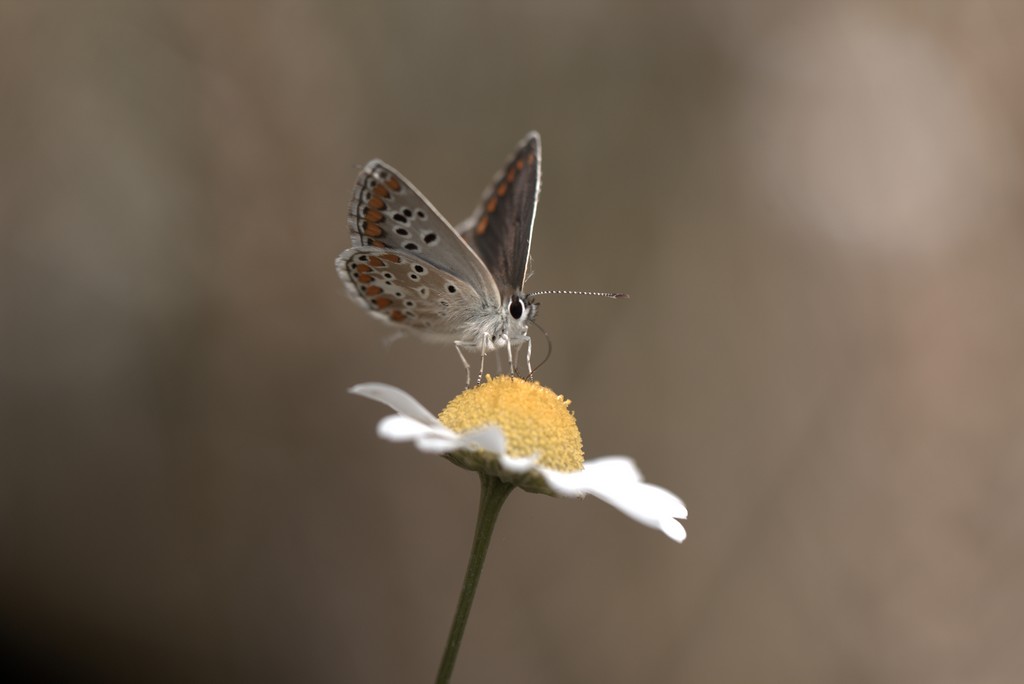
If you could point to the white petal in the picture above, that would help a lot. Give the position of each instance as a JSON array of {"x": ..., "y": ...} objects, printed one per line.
[
  {"x": 437, "y": 444},
  {"x": 617, "y": 481},
  {"x": 414, "y": 423},
  {"x": 489, "y": 438},
  {"x": 616, "y": 472},
  {"x": 399, "y": 428},
  {"x": 673, "y": 529},
  {"x": 610, "y": 468},
  {"x": 565, "y": 484},
  {"x": 428, "y": 438},
  {"x": 613, "y": 468},
  {"x": 517, "y": 464},
  {"x": 399, "y": 400}
]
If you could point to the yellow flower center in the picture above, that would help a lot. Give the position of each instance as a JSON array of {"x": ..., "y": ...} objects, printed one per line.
[{"x": 535, "y": 420}]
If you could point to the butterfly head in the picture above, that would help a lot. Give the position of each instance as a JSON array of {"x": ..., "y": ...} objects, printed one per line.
[
  {"x": 522, "y": 309},
  {"x": 518, "y": 312}
]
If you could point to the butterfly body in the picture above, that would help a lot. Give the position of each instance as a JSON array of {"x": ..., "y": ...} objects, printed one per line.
[{"x": 410, "y": 268}]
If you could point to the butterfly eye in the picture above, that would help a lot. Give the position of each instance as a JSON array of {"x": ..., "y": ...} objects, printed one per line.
[{"x": 515, "y": 307}]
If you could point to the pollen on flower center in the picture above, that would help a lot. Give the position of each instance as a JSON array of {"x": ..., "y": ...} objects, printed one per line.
[{"x": 535, "y": 420}]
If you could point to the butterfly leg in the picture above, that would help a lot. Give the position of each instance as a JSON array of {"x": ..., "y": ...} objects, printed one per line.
[
  {"x": 529, "y": 353},
  {"x": 513, "y": 356},
  {"x": 458, "y": 347},
  {"x": 483, "y": 357},
  {"x": 514, "y": 350}
]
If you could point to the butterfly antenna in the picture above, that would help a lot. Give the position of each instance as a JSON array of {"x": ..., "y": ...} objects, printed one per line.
[
  {"x": 551, "y": 346},
  {"x": 547, "y": 338},
  {"x": 609, "y": 295}
]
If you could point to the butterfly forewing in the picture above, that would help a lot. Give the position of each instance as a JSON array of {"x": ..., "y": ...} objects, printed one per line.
[
  {"x": 388, "y": 212},
  {"x": 502, "y": 226}
]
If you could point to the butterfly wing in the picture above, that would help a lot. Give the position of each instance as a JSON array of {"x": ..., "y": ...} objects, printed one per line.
[
  {"x": 501, "y": 228},
  {"x": 402, "y": 289},
  {"x": 388, "y": 212}
]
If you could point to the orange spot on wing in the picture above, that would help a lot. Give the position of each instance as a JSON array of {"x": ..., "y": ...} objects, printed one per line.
[
  {"x": 520, "y": 164},
  {"x": 492, "y": 204},
  {"x": 397, "y": 316},
  {"x": 376, "y": 203},
  {"x": 393, "y": 184},
  {"x": 375, "y": 262},
  {"x": 531, "y": 158},
  {"x": 502, "y": 189},
  {"x": 377, "y": 243},
  {"x": 381, "y": 191},
  {"x": 481, "y": 227},
  {"x": 382, "y": 302},
  {"x": 373, "y": 230},
  {"x": 373, "y": 290},
  {"x": 364, "y": 278},
  {"x": 511, "y": 175},
  {"x": 372, "y": 215},
  {"x": 393, "y": 258},
  {"x": 362, "y": 268}
]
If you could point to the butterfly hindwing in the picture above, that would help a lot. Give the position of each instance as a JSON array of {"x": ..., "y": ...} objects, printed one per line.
[
  {"x": 405, "y": 290},
  {"x": 501, "y": 228}
]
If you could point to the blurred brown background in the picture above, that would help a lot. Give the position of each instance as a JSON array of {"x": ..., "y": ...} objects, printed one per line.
[{"x": 816, "y": 208}]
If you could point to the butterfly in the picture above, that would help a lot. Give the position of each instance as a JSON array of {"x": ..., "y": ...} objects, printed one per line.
[{"x": 411, "y": 268}]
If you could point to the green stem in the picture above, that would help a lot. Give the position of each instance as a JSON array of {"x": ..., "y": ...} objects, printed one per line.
[{"x": 493, "y": 493}]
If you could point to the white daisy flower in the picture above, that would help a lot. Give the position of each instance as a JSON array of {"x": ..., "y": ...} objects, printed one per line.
[{"x": 524, "y": 434}]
